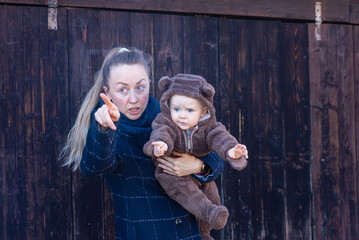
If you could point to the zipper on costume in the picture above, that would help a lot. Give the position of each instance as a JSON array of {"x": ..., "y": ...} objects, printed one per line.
[
  {"x": 189, "y": 134},
  {"x": 188, "y": 140}
]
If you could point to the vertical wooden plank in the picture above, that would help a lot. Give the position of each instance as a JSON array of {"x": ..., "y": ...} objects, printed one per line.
[
  {"x": 32, "y": 124},
  {"x": 295, "y": 98},
  {"x": 333, "y": 133},
  {"x": 356, "y": 90},
  {"x": 325, "y": 177},
  {"x": 141, "y": 30},
  {"x": 115, "y": 30},
  {"x": 167, "y": 45},
  {"x": 265, "y": 130},
  {"x": 316, "y": 106},
  {"x": 349, "y": 221},
  {"x": 234, "y": 78},
  {"x": 53, "y": 77},
  {"x": 12, "y": 154},
  {"x": 45, "y": 122},
  {"x": 84, "y": 60},
  {"x": 200, "y": 52}
]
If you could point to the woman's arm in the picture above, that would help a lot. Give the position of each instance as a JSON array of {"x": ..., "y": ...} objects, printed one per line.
[
  {"x": 99, "y": 153},
  {"x": 186, "y": 164},
  {"x": 215, "y": 164}
]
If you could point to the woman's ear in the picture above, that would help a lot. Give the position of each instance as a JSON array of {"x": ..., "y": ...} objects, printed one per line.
[
  {"x": 105, "y": 89},
  {"x": 164, "y": 83}
]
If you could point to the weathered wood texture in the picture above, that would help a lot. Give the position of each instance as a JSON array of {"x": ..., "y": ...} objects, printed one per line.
[
  {"x": 36, "y": 191},
  {"x": 84, "y": 60},
  {"x": 235, "y": 71},
  {"x": 332, "y": 10},
  {"x": 333, "y": 128},
  {"x": 167, "y": 44},
  {"x": 296, "y": 119},
  {"x": 354, "y": 11},
  {"x": 291, "y": 99},
  {"x": 356, "y": 91}
]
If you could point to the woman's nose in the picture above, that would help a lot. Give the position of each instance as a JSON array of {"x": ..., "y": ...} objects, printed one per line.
[{"x": 132, "y": 97}]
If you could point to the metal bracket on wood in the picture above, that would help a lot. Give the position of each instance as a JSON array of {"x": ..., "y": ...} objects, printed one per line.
[
  {"x": 52, "y": 14},
  {"x": 318, "y": 21}
]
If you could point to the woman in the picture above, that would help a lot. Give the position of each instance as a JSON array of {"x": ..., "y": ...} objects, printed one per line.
[{"x": 108, "y": 138}]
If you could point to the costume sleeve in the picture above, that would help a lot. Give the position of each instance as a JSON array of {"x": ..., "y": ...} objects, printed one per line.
[
  {"x": 220, "y": 140},
  {"x": 161, "y": 131},
  {"x": 99, "y": 153},
  {"x": 215, "y": 162}
]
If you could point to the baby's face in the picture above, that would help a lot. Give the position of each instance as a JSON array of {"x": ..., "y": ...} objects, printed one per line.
[{"x": 186, "y": 111}]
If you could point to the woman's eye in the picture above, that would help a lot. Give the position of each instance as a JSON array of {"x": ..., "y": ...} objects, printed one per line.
[
  {"x": 122, "y": 90},
  {"x": 140, "y": 88}
]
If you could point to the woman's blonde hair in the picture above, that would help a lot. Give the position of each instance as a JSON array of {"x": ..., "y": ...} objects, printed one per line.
[{"x": 71, "y": 153}]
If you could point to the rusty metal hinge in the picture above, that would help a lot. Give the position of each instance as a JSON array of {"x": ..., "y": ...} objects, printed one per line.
[
  {"x": 52, "y": 14},
  {"x": 318, "y": 21}
]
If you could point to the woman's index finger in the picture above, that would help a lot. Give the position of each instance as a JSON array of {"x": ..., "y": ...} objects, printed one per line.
[{"x": 106, "y": 100}]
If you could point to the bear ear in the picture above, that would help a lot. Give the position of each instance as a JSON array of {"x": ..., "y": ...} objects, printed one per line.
[
  {"x": 164, "y": 83},
  {"x": 208, "y": 90}
]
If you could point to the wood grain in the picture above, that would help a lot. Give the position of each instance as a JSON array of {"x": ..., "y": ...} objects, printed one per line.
[
  {"x": 290, "y": 98},
  {"x": 266, "y": 140},
  {"x": 234, "y": 81},
  {"x": 332, "y": 10},
  {"x": 12, "y": 155},
  {"x": 168, "y": 47},
  {"x": 354, "y": 13},
  {"x": 333, "y": 139},
  {"x": 296, "y": 118},
  {"x": 84, "y": 60},
  {"x": 356, "y": 90},
  {"x": 200, "y": 44},
  {"x": 35, "y": 101}
]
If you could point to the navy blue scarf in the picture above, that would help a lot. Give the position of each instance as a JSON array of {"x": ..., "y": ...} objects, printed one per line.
[{"x": 141, "y": 128}]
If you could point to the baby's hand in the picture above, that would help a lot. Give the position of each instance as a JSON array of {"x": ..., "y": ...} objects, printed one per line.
[
  {"x": 238, "y": 151},
  {"x": 159, "y": 148}
]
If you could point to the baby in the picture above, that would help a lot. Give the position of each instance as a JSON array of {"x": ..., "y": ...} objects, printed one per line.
[{"x": 187, "y": 124}]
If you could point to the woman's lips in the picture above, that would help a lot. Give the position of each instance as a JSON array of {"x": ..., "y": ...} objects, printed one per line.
[{"x": 134, "y": 111}]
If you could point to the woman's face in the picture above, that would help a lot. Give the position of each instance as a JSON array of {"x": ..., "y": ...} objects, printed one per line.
[{"x": 129, "y": 89}]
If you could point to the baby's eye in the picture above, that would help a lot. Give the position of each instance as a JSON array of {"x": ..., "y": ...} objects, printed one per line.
[
  {"x": 176, "y": 109},
  {"x": 190, "y": 110}
]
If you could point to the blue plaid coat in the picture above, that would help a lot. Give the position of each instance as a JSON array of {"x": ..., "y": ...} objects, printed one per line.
[{"x": 142, "y": 209}]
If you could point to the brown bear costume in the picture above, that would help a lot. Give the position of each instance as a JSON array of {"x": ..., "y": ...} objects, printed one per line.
[{"x": 200, "y": 199}]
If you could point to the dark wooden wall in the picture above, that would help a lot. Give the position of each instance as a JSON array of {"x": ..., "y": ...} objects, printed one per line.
[{"x": 291, "y": 99}]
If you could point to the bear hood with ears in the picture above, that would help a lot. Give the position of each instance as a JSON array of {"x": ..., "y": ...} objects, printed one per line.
[{"x": 188, "y": 85}]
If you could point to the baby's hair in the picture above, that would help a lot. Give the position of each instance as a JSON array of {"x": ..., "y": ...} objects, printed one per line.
[{"x": 71, "y": 153}]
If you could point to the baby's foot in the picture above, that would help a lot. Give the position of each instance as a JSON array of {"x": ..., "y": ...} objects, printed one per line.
[{"x": 218, "y": 217}]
